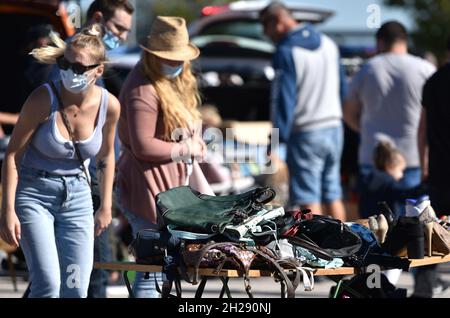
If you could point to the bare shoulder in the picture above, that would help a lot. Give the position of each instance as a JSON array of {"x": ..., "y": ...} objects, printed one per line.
[
  {"x": 113, "y": 106},
  {"x": 38, "y": 104}
]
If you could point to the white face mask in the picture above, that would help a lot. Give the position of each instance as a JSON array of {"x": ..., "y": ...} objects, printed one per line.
[{"x": 75, "y": 83}]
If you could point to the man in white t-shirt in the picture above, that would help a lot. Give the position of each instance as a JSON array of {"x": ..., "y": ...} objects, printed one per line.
[{"x": 385, "y": 97}]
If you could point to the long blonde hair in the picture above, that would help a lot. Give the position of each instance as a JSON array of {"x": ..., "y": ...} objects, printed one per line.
[
  {"x": 179, "y": 98},
  {"x": 90, "y": 37}
]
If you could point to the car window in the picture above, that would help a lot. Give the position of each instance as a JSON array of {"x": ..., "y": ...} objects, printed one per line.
[{"x": 244, "y": 28}]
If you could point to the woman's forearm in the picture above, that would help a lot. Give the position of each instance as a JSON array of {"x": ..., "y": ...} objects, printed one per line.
[
  {"x": 9, "y": 183},
  {"x": 8, "y": 118},
  {"x": 105, "y": 176}
]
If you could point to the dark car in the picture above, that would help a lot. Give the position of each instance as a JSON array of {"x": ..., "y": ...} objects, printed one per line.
[{"x": 16, "y": 19}]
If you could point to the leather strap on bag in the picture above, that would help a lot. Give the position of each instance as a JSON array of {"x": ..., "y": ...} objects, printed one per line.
[
  {"x": 69, "y": 129},
  {"x": 287, "y": 287}
]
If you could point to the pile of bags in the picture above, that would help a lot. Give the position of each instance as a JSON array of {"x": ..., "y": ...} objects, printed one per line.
[{"x": 245, "y": 232}]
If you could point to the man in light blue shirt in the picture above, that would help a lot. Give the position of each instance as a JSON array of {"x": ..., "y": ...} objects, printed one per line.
[{"x": 306, "y": 108}]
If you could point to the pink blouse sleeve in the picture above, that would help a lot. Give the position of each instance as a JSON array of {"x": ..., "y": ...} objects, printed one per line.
[{"x": 142, "y": 115}]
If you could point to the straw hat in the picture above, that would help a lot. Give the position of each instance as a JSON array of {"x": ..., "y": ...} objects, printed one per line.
[{"x": 169, "y": 40}]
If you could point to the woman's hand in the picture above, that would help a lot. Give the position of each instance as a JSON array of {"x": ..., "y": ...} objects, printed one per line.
[
  {"x": 102, "y": 219},
  {"x": 196, "y": 148},
  {"x": 10, "y": 228}
]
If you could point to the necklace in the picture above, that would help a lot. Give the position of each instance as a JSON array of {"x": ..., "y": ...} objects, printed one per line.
[{"x": 75, "y": 113}]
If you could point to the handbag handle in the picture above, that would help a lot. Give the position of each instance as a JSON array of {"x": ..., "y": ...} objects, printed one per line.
[
  {"x": 189, "y": 170},
  {"x": 69, "y": 129}
]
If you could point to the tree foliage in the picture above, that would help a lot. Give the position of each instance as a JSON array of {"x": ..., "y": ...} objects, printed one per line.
[{"x": 432, "y": 18}]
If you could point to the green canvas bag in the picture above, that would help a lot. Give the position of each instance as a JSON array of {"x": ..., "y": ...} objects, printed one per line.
[{"x": 186, "y": 209}]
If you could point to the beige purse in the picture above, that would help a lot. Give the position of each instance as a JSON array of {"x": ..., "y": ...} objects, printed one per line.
[{"x": 440, "y": 240}]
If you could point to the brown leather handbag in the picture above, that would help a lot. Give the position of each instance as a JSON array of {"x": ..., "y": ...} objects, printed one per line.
[
  {"x": 440, "y": 240},
  {"x": 236, "y": 256}
]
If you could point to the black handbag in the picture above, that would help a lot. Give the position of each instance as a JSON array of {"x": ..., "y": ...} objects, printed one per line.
[
  {"x": 326, "y": 237},
  {"x": 151, "y": 246}
]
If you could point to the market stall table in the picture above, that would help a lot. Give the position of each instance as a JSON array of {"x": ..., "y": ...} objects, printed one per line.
[{"x": 225, "y": 274}]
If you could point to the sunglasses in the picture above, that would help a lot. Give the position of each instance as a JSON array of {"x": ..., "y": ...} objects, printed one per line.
[{"x": 76, "y": 67}]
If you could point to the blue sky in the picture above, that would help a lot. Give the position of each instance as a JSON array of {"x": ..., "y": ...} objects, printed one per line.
[{"x": 352, "y": 14}]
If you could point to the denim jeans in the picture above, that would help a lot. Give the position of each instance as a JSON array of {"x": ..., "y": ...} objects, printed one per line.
[
  {"x": 142, "y": 287},
  {"x": 99, "y": 277},
  {"x": 57, "y": 232},
  {"x": 102, "y": 253},
  {"x": 313, "y": 160}
]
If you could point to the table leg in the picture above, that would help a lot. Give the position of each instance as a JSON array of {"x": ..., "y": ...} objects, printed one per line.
[
  {"x": 340, "y": 286},
  {"x": 201, "y": 287},
  {"x": 225, "y": 288},
  {"x": 337, "y": 289},
  {"x": 127, "y": 283},
  {"x": 12, "y": 271},
  {"x": 27, "y": 291},
  {"x": 283, "y": 289}
]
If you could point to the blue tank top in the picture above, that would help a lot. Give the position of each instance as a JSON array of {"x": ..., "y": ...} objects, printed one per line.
[{"x": 50, "y": 151}]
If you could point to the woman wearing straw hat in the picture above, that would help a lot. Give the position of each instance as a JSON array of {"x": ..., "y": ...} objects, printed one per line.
[{"x": 159, "y": 96}]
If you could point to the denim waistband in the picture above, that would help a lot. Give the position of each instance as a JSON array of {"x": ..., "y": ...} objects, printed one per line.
[{"x": 45, "y": 174}]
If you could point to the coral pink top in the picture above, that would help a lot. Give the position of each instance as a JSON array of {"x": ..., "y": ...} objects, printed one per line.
[{"x": 145, "y": 167}]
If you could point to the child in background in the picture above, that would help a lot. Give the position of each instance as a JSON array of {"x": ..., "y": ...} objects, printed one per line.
[{"x": 384, "y": 182}]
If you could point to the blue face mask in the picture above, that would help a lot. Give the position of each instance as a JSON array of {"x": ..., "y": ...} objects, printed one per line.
[
  {"x": 76, "y": 83},
  {"x": 172, "y": 71},
  {"x": 111, "y": 40}
]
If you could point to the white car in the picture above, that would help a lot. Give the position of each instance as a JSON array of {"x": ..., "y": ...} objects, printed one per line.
[{"x": 241, "y": 18}]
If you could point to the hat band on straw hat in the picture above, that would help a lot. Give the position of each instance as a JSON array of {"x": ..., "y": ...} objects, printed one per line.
[{"x": 185, "y": 53}]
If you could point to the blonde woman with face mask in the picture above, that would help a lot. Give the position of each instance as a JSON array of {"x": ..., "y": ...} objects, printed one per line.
[
  {"x": 159, "y": 96},
  {"x": 47, "y": 206}
]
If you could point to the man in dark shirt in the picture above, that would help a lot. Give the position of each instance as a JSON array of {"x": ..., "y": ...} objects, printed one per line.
[
  {"x": 434, "y": 148},
  {"x": 436, "y": 138}
]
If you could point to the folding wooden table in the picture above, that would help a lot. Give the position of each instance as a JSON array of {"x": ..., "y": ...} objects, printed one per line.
[{"x": 225, "y": 274}]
